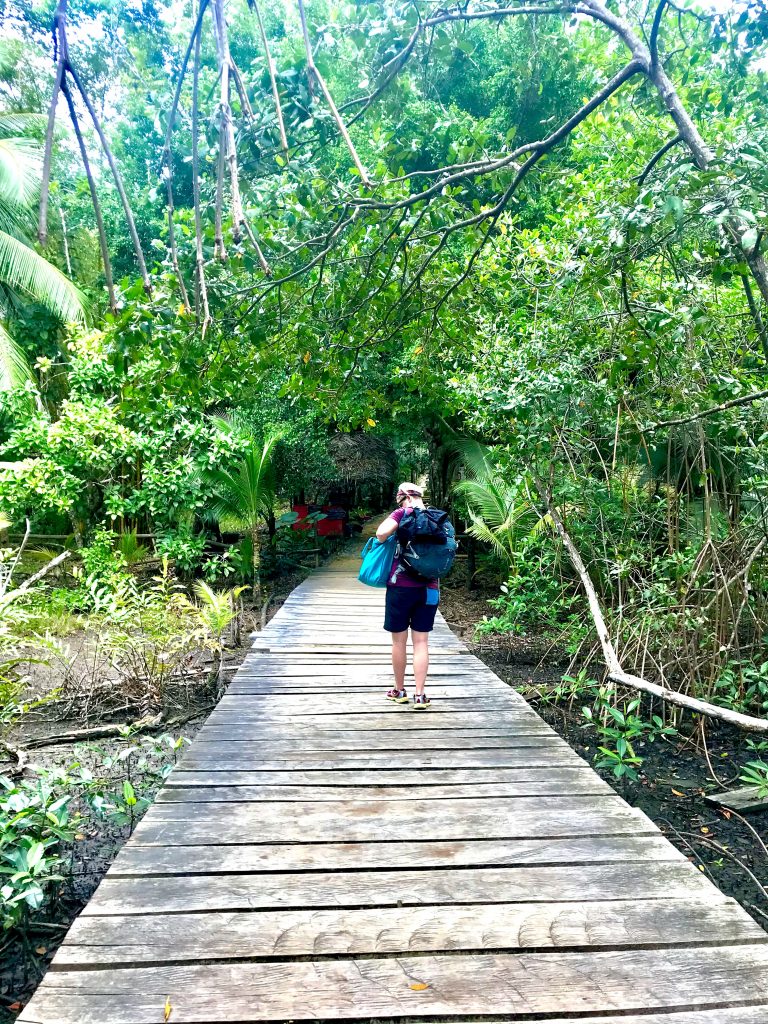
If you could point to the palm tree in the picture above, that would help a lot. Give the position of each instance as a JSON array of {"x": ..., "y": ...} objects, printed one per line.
[
  {"x": 245, "y": 495},
  {"x": 24, "y": 273},
  {"x": 498, "y": 508}
]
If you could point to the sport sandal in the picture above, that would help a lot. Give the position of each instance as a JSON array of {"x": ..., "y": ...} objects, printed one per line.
[
  {"x": 421, "y": 702},
  {"x": 398, "y": 696}
]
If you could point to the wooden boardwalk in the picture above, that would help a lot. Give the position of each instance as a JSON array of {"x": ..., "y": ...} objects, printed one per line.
[{"x": 321, "y": 854}]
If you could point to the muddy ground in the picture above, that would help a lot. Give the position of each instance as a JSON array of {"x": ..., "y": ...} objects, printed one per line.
[{"x": 676, "y": 772}]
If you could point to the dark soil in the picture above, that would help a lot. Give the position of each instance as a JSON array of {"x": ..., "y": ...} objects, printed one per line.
[
  {"x": 676, "y": 772},
  {"x": 24, "y": 959}
]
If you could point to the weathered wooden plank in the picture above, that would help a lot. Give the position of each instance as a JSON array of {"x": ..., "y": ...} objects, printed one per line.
[
  {"x": 522, "y": 983},
  {"x": 584, "y": 883},
  {"x": 359, "y": 821},
  {"x": 469, "y": 721},
  {"x": 746, "y": 799},
  {"x": 256, "y": 742},
  {"x": 136, "y": 859},
  {"x": 405, "y": 781},
  {"x": 511, "y": 757},
  {"x": 179, "y": 793},
  {"x": 287, "y": 705},
  {"x": 115, "y": 941}
]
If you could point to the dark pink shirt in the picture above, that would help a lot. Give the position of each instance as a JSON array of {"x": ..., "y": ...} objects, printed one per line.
[{"x": 398, "y": 577}]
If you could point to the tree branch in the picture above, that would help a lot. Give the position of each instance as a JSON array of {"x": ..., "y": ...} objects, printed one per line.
[
  {"x": 117, "y": 177},
  {"x": 100, "y": 229},
  {"x": 6, "y": 599},
  {"x": 656, "y": 157},
  {"x": 272, "y": 78},
  {"x": 315, "y": 74},
  {"x": 654, "y": 40},
  {"x": 537, "y": 149},
  {"x": 60, "y": 46},
  {"x": 615, "y": 671},
  {"x": 755, "y": 396}
]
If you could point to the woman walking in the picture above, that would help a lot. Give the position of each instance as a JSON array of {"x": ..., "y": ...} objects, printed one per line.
[{"x": 411, "y": 603}]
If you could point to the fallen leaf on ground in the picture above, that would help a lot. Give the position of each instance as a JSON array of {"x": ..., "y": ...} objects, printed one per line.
[
  {"x": 168, "y": 1009},
  {"x": 419, "y": 986},
  {"x": 677, "y": 792}
]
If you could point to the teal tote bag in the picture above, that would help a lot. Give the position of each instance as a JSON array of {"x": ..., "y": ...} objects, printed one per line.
[{"x": 377, "y": 561}]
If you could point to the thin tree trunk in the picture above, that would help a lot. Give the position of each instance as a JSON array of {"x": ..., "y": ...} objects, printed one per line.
[
  {"x": 100, "y": 230},
  {"x": 256, "y": 567},
  {"x": 172, "y": 230},
  {"x": 199, "y": 256},
  {"x": 273, "y": 80},
  {"x": 314, "y": 75},
  {"x": 60, "y": 44},
  {"x": 118, "y": 179},
  {"x": 227, "y": 143}
]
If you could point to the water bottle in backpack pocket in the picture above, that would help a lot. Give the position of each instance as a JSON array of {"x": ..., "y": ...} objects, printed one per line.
[{"x": 427, "y": 542}]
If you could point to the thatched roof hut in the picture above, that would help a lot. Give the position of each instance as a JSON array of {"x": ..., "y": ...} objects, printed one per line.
[{"x": 365, "y": 462}]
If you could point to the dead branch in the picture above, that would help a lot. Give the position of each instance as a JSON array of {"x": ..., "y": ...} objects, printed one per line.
[
  {"x": 30, "y": 582},
  {"x": 272, "y": 79},
  {"x": 150, "y": 724},
  {"x": 6, "y": 578},
  {"x": 615, "y": 671},
  {"x": 315, "y": 75},
  {"x": 96, "y": 732}
]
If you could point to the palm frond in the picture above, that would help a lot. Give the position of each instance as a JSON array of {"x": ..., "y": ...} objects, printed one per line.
[
  {"x": 22, "y": 269},
  {"x": 22, "y": 123},
  {"x": 17, "y": 220},
  {"x": 498, "y": 541},
  {"x": 14, "y": 368},
  {"x": 20, "y": 162},
  {"x": 246, "y": 492},
  {"x": 475, "y": 457}
]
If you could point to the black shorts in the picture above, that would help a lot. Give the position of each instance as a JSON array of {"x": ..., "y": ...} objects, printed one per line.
[{"x": 407, "y": 606}]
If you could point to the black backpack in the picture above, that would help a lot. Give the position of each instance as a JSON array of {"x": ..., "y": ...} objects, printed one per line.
[{"x": 427, "y": 542}]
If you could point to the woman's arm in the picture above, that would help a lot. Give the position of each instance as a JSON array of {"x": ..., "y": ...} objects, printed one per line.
[{"x": 387, "y": 528}]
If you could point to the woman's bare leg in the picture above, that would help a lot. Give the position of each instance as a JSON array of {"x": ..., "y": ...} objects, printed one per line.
[
  {"x": 420, "y": 659},
  {"x": 399, "y": 658}
]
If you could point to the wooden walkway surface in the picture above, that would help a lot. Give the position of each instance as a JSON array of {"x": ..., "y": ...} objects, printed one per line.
[{"x": 321, "y": 854}]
